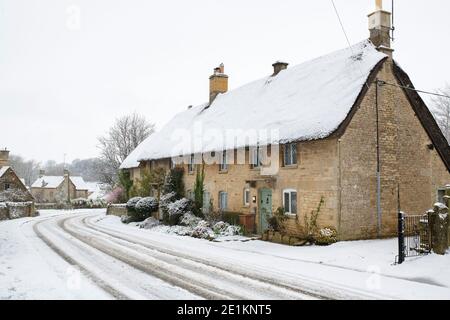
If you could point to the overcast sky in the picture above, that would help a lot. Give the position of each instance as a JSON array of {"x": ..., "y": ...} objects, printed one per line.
[{"x": 69, "y": 68}]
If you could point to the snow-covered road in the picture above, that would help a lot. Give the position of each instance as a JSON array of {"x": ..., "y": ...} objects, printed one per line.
[{"x": 87, "y": 255}]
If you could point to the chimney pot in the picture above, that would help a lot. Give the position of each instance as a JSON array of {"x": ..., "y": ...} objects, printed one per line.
[{"x": 279, "y": 66}]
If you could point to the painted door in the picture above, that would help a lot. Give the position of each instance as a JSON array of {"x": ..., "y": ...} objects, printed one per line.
[
  {"x": 206, "y": 202},
  {"x": 265, "y": 209}
]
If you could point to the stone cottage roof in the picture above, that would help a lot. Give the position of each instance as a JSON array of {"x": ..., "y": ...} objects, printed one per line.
[
  {"x": 53, "y": 182},
  {"x": 3, "y": 170},
  {"x": 306, "y": 102}
]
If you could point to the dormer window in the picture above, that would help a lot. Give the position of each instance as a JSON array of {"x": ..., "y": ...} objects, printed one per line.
[
  {"x": 223, "y": 167},
  {"x": 256, "y": 157},
  {"x": 191, "y": 164},
  {"x": 290, "y": 154}
]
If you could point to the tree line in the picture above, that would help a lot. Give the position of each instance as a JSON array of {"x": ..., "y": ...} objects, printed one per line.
[{"x": 121, "y": 139}]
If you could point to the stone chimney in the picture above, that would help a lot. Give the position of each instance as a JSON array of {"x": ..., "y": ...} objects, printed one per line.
[
  {"x": 66, "y": 173},
  {"x": 4, "y": 158},
  {"x": 380, "y": 28},
  {"x": 278, "y": 66},
  {"x": 218, "y": 82},
  {"x": 41, "y": 173}
]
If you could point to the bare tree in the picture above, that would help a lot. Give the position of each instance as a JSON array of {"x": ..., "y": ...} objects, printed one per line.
[
  {"x": 441, "y": 111},
  {"x": 26, "y": 169},
  {"x": 122, "y": 138}
]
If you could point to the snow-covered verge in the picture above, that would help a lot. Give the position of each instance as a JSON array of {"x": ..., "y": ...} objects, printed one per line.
[
  {"x": 29, "y": 269},
  {"x": 195, "y": 227},
  {"x": 360, "y": 265}
]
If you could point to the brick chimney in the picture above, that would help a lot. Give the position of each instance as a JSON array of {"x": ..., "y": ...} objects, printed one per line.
[
  {"x": 4, "y": 158},
  {"x": 278, "y": 66},
  {"x": 380, "y": 28},
  {"x": 218, "y": 82}
]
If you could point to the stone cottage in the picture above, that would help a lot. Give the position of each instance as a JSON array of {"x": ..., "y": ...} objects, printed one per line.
[
  {"x": 57, "y": 189},
  {"x": 347, "y": 128},
  {"x": 14, "y": 195}
]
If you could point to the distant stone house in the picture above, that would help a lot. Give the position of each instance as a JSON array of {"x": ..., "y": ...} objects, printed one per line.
[
  {"x": 15, "y": 199},
  {"x": 348, "y": 128},
  {"x": 57, "y": 189},
  {"x": 8, "y": 178}
]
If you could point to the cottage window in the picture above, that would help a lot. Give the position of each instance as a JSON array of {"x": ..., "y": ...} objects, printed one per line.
[
  {"x": 290, "y": 201},
  {"x": 440, "y": 196},
  {"x": 223, "y": 200},
  {"x": 190, "y": 195},
  {"x": 256, "y": 157},
  {"x": 246, "y": 197},
  {"x": 7, "y": 186},
  {"x": 224, "y": 162},
  {"x": 191, "y": 164},
  {"x": 290, "y": 154}
]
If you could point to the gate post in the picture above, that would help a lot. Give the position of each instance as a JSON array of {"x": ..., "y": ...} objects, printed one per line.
[
  {"x": 401, "y": 237},
  {"x": 439, "y": 224}
]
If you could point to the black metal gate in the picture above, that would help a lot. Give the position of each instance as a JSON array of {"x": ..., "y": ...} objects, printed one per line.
[{"x": 414, "y": 236}]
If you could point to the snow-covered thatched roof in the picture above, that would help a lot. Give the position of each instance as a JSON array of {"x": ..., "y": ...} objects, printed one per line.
[{"x": 304, "y": 102}]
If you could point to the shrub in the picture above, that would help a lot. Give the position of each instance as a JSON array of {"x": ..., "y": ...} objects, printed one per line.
[
  {"x": 203, "y": 231},
  {"x": 125, "y": 219},
  {"x": 175, "y": 210},
  {"x": 230, "y": 217},
  {"x": 199, "y": 190},
  {"x": 189, "y": 220},
  {"x": 277, "y": 220},
  {"x": 326, "y": 236},
  {"x": 131, "y": 206},
  {"x": 142, "y": 209},
  {"x": 149, "y": 223},
  {"x": 174, "y": 182}
]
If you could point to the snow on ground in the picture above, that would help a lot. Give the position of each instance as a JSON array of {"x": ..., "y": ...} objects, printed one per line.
[
  {"x": 366, "y": 265},
  {"x": 137, "y": 263},
  {"x": 29, "y": 269}
]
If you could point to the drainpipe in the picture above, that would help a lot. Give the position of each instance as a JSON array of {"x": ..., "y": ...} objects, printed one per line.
[
  {"x": 340, "y": 187},
  {"x": 378, "y": 160}
]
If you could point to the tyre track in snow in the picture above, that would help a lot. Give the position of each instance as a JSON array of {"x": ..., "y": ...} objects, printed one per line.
[
  {"x": 103, "y": 270},
  {"x": 205, "y": 280},
  {"x": 307, "y": 287},
  {"x": 99, "y": 282}
]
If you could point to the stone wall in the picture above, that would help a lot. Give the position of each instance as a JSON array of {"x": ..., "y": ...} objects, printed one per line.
[
  {"x": 117, "y": 210},
  {"x": 15, "y": 210},
  {"x": 405, "y": 160}
]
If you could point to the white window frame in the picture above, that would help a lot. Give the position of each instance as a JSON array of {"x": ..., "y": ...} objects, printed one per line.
[
  {"x": 246, "y": 197},
  {"x": 437, "y": 194},
  {"x": 288, "y": 155},
  {"x": 221, "y": 193},
  {"x": 288, "y": 211},
  {"x": 223, "y": 166},
  {"x": 191, "y": 167}
]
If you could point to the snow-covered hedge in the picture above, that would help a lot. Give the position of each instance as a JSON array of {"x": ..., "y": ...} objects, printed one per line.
[
  {"x": 144, "y": 208},
  {"x": 131, "y": 204}
]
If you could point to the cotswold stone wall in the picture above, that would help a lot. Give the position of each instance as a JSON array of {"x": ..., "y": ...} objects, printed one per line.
[
  {"x": 314, "y": 176},
  {"x": 15, "y": 210},
  {"x": 405, "y": 160},
  {"x": 117, "y": 210}
]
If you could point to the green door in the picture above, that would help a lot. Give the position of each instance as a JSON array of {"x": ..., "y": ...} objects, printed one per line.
[{"x": 265, "y": 209}]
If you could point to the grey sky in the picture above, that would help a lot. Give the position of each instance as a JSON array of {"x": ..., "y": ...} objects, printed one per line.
[{"x": 62, "y": 84}]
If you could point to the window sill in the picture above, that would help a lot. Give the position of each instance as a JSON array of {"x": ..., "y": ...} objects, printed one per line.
[
  {"x": 191, "y": 173},
  {"x": 290, "y": 167},
  {"x": 291, "y": 215},
  {"x": 223, "y": 171}
]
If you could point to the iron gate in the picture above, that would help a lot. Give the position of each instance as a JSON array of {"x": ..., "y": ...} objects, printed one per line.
[{"x": 414, "y": 236}]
